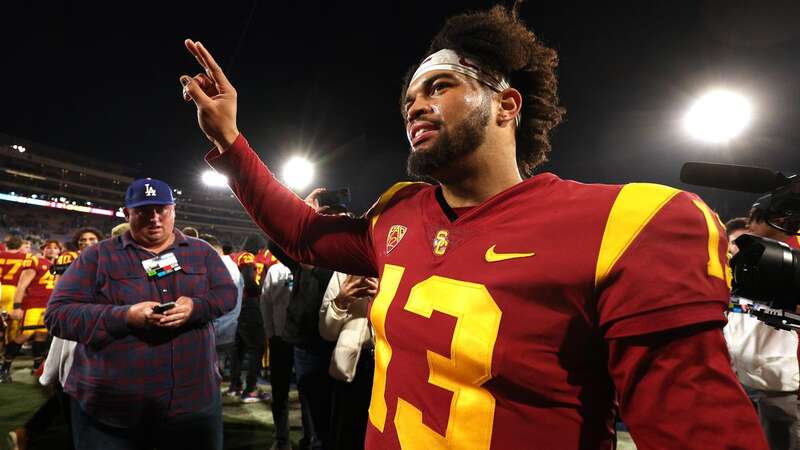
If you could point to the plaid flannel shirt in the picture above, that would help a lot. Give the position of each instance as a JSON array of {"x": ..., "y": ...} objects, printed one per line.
[{"x": 122, "y": 375}]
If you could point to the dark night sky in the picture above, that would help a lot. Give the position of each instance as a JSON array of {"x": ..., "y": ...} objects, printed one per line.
[{"x": 322, "y": 77}]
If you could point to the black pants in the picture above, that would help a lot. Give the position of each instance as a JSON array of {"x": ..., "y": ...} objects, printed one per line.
[
  {"x": 55, "y": 406},
  {"x": 314, "y": 386},
  {"x": 281, "y": 361},
  {"x": 249, "y": 344},
  {"x": 350, "y": 406},
  {"x": 200, "y": 430}
]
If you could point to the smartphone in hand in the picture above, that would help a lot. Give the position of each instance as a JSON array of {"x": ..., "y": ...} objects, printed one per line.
[{"x": 160, "y": 309}]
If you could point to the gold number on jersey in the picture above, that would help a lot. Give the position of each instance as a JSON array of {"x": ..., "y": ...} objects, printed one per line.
[
  {"x": 390, "y": 281},
  {"x": 259, "y": 272},
  {"x": 716, "y": 267},
  {"x": 15, "y": 265},
  {"x": 48, "y": 280},
  {"x": 472, "y": 407}
]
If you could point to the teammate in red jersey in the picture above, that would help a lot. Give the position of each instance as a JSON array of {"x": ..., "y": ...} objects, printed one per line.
[
  {"x": 250, "y": 340},
  {"x": 35, "y": 285},
  {"x": 512, "y": 313},
  {"x": 263, "y": 260},
  {"x": 11, "y": 263}
]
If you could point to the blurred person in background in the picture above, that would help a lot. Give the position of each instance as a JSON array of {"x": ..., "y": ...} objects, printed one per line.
[
  {"x": 11, "y": 260},
  {"x": 249, "y": 341},
  {"x": 58, "y": 362},
  {"x": 120, "y": 229},
  {"x": 81, "y": 239},
  {"x": 343, "y": 319},
  {"x": 34, "y": 287},
  {"x": 765, "y": 358},
  {"x": 11, "y": 263},
  {"x": 760, "y": 223},
  {"x": 140, "y": 306},
  {"x": 275, "y": 297},
  {"x": 735, "y": 228},
  {"x": 191, "y": 232},
  {"x": 225, "y": 326},
  {"x": 86, "y": 236}
]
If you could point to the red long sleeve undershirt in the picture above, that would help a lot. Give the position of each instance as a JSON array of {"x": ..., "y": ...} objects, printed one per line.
[{"x": 335, "y": 242}]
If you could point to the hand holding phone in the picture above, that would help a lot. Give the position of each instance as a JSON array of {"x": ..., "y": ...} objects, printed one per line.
[{"x": 161, "y": 308}]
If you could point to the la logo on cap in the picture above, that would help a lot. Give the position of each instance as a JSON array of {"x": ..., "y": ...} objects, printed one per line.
[{"x": 149, "y": 191}]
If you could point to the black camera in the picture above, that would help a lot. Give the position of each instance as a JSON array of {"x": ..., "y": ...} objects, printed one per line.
[
  {"x": 765, "y": 271},
  {"x": 338, "y": 197}
]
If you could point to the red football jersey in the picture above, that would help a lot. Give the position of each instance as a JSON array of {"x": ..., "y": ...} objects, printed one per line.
[
  {"x": 264, "y": 260},
  {"x": 38, "y": 292},
  {"x": 242, "y": 258},
  {"x": 491, "y": 328},
  {"x": 518, "y": 324},
  {"x": 11, "y": 264}
]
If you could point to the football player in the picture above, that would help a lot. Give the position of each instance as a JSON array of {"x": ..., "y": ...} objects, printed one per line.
[
  {"x": 35, "y": 285},
  {"x": 515, "y": 310},
  {"x": 12, "y": 260}
]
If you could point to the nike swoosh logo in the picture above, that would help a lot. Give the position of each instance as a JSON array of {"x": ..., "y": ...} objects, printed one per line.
[{"x": 492, "y": 256}]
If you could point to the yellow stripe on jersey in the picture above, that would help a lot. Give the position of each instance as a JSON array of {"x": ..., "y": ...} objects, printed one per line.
[
  {"x": 635, "y": 206},
  {"x": 380, "y": 205},
  {"x": 715, "y": 267}
]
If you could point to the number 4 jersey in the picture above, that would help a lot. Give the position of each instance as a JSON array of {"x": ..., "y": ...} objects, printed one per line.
[
  {"x": 38, "y": 292},
  {"x": 492, "y": 327}
]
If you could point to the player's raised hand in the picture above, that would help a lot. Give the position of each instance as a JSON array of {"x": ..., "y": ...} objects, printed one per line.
[{"x": 214, "y": 97}]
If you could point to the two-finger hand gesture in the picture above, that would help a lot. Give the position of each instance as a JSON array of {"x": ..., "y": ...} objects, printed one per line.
[{"x": 214, "y": 97}]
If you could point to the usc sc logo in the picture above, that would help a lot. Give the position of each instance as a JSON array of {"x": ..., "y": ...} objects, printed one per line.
[{"x": 440, "y": 242}]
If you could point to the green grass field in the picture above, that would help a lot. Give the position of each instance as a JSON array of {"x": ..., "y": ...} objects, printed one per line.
[{"x": 246, "y": 426}]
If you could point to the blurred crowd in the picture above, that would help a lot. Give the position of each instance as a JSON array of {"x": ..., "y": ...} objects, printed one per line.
[{"x": 298, "y": 326}]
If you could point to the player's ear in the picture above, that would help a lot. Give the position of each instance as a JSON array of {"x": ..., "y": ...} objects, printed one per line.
[
  {"x": 127, "y": 214},
  {"x": 510, "y": 101}
]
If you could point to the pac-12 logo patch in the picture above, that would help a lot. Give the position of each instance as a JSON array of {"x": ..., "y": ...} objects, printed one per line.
[{"x": 396, "y": 233}]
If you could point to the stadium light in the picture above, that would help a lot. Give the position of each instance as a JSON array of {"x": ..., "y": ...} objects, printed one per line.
[
  {"x": 213, "y": 178},
  {"x": 718, "y": 116},
  {"x": 298, "y": 173},
  {"x": 19, "y": 148}
]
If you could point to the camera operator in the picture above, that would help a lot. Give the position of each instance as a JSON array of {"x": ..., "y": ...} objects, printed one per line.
[
  {"x": 140, "y": 306},
  {"x": 765, "y": 358}
]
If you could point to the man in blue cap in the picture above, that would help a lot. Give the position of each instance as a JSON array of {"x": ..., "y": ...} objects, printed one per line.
[{"x": 140, "y": 306}]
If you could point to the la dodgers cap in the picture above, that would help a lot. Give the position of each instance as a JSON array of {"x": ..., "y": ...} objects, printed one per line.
[{"x": 148, "y": 191}]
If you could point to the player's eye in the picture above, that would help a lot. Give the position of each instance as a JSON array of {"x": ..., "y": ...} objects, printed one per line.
[{"x": 439, "y": 87}]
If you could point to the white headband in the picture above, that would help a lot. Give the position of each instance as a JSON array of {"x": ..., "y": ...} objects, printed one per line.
[{"x": 447, "y": 59}]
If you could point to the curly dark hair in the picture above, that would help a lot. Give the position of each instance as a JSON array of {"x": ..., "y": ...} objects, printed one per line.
[
  {"x": 77, "y": 235},
  {"x": 501, "y": 42}
]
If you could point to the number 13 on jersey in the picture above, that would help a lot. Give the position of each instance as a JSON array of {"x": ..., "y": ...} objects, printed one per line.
[{"x": 469, "y": 366}]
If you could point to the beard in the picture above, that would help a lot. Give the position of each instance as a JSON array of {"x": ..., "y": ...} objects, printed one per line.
[{"x": 459, "y": 142}]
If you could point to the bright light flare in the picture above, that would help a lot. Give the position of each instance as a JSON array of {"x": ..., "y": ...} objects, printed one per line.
[
  {"x": 718, "y": 116},
  {"x": 298, "y": 173},
  {"x": 212, "y": 178}
]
